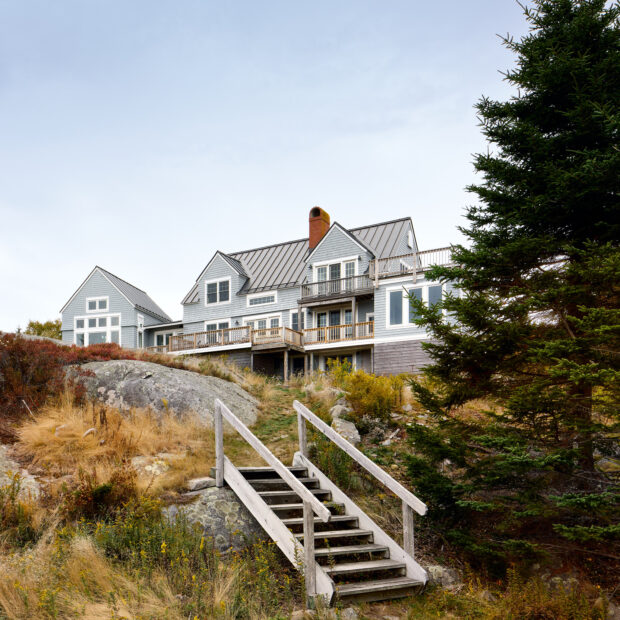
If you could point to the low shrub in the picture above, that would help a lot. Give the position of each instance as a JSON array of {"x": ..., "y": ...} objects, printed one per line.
[
  {"x": 97, "y": 496},
  {"x": 370, "y": 395}
]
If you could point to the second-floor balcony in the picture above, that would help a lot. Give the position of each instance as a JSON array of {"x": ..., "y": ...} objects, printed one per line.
[{"x": 343, "y": 287}]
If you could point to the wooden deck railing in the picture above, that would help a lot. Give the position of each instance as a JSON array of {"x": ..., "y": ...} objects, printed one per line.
[
  {"x": 160, "y": 348},
  {"x": 409, "y": 263},
  {"x": 336, "y": 288},
  {"x": 214, "y": 338},
  {"x": 276, "y": 335},
  {"x": 339, "y": 333},
  {"x": 234, "y": 335}
]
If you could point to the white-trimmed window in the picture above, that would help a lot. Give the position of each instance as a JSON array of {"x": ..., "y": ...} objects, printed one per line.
[
  {"x": 410, "y": 239},
  {"x": 97, "y": 329},
  {"x": 335, "y": 270},
  {"x": 399, "y": 312},
  {"x": 262, "y": 299},
  {"x": 217, "y": 292},
  {"x": 298, "y": 320},
  {"x": 97, "y": 304},
  {"x": 264, "y": 321}
]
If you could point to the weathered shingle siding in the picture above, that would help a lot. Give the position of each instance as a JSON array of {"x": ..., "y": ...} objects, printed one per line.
[
  {"x": 392, "y": 358},
  {"x": 98, "y": 285},
  {"x": 335, "y": 245}
]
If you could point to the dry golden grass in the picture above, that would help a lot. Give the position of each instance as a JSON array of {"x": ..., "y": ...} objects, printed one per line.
[
  {"x": 55, "y": 442},
  {"x": 78, "y": 583}
]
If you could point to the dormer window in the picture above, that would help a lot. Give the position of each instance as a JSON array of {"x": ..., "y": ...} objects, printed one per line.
[{"x": 217, "y": 292}]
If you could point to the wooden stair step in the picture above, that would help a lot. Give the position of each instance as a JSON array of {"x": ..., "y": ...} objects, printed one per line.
[
  {"x": 280, "y": 481},
  {"x": 265, "y": 494},
  {"x": 270, "y": 470},
  {"x": 378, "y": 589},
  {"x": 333, "y": 519},
  {"x": 349, "y": 550},
  {"x": 298, "y": 506},
  {"x": 364, "y": 567},
  {"x": 338, "y": 534}
]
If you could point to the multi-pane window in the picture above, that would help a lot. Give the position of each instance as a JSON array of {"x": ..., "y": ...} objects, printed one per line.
[
  {"x": 97, "y": 329},
  {"x": 262, "y": 300},
  {"x": 399, "y": 303},
  {"x": 218, "y": 292}
]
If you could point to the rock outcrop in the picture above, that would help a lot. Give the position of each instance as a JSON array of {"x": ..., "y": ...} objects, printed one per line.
[
  {"x": 12, "y": 473},
  {"x": 130, "y": 383},
  {"x": 223, "y": 517}
]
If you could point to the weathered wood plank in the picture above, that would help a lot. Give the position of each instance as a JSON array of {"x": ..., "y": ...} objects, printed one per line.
[
  {"x": 408, "y": 540},
  {"x": 309, "y": 561},
  {"x": 304, "y": 493},
  {"x": 219, "y": 446},
  {"x": 381, "y": 538}
]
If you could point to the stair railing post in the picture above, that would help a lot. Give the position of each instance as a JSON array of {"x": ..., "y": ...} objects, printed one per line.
[
  {"x": 309, "y": 561},
  {"x": 408, "y": 538},
  {"x": 301, "y": 432},
  {"x": 219, "y": 445}
]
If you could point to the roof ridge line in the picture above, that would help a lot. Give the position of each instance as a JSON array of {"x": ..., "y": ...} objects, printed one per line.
[
  {"x": 399, "y": 219},
  {"x": 264, "y": 247},
  {"x": 121, "y": 279}
]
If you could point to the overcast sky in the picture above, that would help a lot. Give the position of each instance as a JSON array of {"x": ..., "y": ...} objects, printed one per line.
[{"x": 143, "y": 136}]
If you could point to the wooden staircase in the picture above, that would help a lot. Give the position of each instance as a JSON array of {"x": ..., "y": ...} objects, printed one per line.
[{"x": 344, "y": 555}]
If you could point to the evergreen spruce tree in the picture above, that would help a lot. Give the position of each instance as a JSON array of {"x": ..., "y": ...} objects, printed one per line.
[{"x": 534, "y": 323}]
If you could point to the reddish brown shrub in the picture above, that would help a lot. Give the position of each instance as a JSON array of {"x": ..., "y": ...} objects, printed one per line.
[{"x": 32, "y": 371}]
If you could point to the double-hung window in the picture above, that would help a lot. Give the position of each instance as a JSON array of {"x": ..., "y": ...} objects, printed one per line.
[{"x": 217, "y": 292}]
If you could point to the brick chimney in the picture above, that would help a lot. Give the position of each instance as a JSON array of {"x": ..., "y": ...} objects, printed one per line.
[{"x": 319, "y": 225}]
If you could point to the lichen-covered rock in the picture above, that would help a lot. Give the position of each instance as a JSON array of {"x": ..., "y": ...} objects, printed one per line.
[
  {"x": 197, "y": 484},
  {"x": 443, "y": 576},
  {"x": 11, "y": 472},
  {"x": 337, "y": 411},
  {"x": 347, "y": 430},
  {"x": 130, "y": 383},
  {"x": 223, "y": 517}
]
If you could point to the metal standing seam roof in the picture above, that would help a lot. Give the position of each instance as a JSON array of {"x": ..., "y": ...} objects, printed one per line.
[
  {"x": 282, "y": 265},
  {"x": 136, "y": 296}
]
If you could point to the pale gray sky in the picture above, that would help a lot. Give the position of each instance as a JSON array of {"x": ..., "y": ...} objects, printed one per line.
[{"x": 144, "y": 136}]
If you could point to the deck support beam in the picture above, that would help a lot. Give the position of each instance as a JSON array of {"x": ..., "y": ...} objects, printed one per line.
[{"x": 285, "y": 365}]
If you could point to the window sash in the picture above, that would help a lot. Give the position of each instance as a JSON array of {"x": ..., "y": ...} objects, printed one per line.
[{"x": 396, "y": 308}]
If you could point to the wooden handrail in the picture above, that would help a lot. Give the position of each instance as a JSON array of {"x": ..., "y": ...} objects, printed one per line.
[
  {"x": 222, "y": 411},
  {"x": 398, "y": 489}
]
